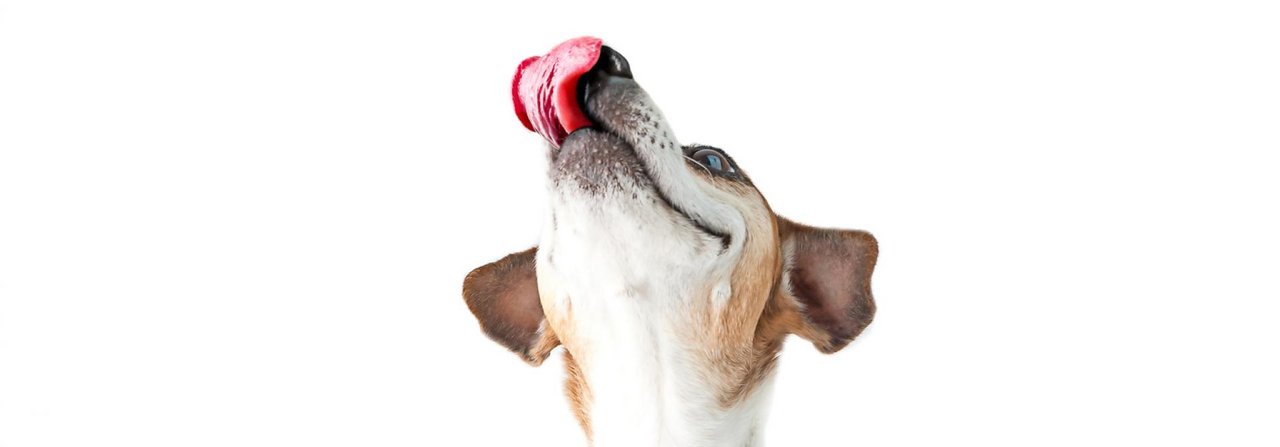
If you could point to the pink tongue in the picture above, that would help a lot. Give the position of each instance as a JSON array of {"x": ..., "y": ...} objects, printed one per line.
[{"x": 545, "y": 89}]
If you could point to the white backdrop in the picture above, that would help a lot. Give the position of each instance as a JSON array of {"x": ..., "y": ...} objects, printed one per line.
[{"x": 247, "y": 222}]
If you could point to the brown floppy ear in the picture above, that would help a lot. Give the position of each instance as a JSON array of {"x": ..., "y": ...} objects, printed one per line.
[
  {"x": 828, "y": 274},
  {"x": 504, "y": 296}
]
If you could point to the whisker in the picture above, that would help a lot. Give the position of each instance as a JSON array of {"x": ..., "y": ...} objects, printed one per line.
[{"x": 704, "y": 168}]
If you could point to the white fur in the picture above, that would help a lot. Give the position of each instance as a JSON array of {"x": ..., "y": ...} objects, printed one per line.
[
  {"x": 668, "y": 169},
  {"x": 627, "y": 268},
  {"x": 624, "y": 272}
]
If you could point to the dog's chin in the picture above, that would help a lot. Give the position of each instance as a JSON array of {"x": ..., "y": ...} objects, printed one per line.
[
  {"x": 598, "y": 163},
  {"x": 601, "y": 158}
]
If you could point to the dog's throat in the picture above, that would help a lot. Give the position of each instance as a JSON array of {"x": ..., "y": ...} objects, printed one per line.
[
  {"x": 643, "y": 374},
  {"x": 647, "y": 388}
]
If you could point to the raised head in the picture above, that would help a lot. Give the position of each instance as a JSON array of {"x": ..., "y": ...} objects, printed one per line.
[{"x": 662, "y": 270}]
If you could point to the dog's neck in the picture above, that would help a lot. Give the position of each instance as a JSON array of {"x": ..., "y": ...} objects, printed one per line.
[
  {"x": 642, "y": 386},
  {"x": 652, "y": 358}
]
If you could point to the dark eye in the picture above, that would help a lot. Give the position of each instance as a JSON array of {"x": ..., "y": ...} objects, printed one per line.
[{"x": 712, "y": 159}]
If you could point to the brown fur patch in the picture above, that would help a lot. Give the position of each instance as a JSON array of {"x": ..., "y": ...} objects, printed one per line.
[
  {"x": 578, "y": 392},
  {"x": 830, "y": 278},
  {"x": 503, "y": 295}
]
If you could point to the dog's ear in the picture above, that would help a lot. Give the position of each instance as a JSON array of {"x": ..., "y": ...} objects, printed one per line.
[
  {"x": 503, "y": 295},
  {"x": 827, "y": 277}
]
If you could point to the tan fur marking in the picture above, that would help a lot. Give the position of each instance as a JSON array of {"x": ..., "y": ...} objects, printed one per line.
[
  {"x": 547, "y": 341},
  {"x": 741, "y": 340},
  {"x": 560, "y": 321},
  {"x": 578, "y": 392}
]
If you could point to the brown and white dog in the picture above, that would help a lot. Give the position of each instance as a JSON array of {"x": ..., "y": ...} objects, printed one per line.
[{"x": 668, "y": 279}]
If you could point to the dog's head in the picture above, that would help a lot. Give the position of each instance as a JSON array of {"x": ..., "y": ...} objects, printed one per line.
[{"x": 663, "y": 251}]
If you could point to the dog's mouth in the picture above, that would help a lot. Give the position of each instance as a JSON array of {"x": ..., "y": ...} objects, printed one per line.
[
  {"x": 606, "y": 133},
  {"x": 551, "y": 93},
  {"x": 581, "y": 97},
  {"x": 545, "y": 88}
]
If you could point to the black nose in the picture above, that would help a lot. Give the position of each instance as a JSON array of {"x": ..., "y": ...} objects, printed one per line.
[{"x": 612, "y": 63}]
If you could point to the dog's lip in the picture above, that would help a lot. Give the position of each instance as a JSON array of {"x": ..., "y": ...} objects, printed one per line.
[{"x": 650, "y": 181}]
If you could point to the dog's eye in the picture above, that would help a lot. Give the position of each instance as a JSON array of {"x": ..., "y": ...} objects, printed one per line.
[{"x": 713, "y": 160}]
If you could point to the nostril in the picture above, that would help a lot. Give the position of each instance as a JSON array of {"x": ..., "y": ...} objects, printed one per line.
[
  {"x": 609, "y": 65},
  {"x": 613, "y": 63}
]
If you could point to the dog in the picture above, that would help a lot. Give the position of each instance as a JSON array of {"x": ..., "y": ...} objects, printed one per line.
[{"x": 667, "y": 278}]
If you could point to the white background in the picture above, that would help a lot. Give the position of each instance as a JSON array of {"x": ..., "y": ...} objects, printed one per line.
[{"x": 247, "y": 222}]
